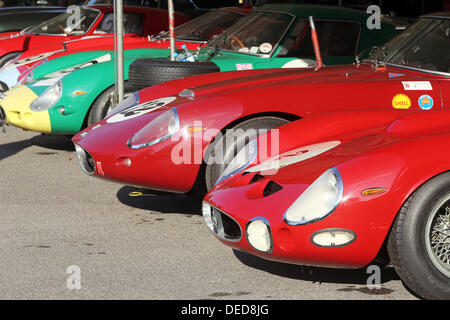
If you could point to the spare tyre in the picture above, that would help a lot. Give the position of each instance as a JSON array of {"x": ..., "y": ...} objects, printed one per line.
[{"x": 148, "y": 72}]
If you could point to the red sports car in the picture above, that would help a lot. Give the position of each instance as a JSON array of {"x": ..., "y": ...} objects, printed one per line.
[
  {"x": 164, "y": 137},
  {"x": 342, "y": 186},
  {"x": 94, "y": 21}
]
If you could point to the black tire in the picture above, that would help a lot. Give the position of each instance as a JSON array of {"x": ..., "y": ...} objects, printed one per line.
[
  {"x": 148, "y": 72},
  {"x": 8, "y": 57},
  {"x": 102, "y": 104},
  {"x": 409, "y": 244},
  {"x": 214, "y": 170}
]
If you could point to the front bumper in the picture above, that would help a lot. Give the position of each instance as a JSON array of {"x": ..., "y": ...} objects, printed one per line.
[
  {"x": 340, "y": 240},
  {"x": 103, "y": 152},
  {"x": 16, "y": 107}
]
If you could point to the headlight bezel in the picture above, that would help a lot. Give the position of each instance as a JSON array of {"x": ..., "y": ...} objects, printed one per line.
[
  {"x": 36, "y": 105},
  {"x": 172, "y": 129},
  {"x": 321, "y": 179}
]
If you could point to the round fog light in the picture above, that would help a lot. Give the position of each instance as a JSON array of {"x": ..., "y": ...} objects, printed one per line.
[
  {"x": 333, "y": 238},
  {"x": 258, "y": 234}
]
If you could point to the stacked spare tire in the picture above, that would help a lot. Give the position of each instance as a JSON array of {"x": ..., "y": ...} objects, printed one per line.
[{"x": 144, "y": 73}]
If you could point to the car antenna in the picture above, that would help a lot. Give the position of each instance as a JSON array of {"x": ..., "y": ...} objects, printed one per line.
[{"x": 315, "y": 40}]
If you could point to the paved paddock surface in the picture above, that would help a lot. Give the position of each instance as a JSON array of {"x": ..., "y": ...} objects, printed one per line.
[{"x": 151, "y": 247}]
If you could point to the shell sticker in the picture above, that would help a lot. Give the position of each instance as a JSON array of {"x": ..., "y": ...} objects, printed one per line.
[{"x": 401, "y": 101}]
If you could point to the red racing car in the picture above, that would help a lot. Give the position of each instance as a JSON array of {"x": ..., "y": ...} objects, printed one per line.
[
  {"x": 93, "y": 21},
  {"x": 163, "y": 137},
  {"x": 343, "y": 186}
]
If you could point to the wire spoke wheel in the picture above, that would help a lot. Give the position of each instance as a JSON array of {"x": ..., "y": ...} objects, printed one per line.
[{"x": 437, "y": 233}]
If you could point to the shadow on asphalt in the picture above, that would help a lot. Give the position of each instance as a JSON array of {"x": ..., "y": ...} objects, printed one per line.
[
  {"x": 52, "y": 142},
  {"x": 316, "y": 274},
  {"x": 159, "y": 201}
]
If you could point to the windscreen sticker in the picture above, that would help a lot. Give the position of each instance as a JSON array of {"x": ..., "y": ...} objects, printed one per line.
[
  {"x": 401, "y": 101},
  {"x": 426, "y": 102},
  {"x": 244, "y": 66},
  {"x": 417, "y": 85},
  {"x": 140, "y": 109}
]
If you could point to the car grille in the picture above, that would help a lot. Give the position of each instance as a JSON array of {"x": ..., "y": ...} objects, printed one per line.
[{"x": 224, "y": 226}]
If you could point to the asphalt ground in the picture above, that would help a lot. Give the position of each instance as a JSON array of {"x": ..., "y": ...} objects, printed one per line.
[{"x": 59, "y": 225}]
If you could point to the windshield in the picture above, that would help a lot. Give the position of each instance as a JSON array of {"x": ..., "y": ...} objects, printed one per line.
[
  {"x": 208, "y": 25},
  {"x": 425, "y": 45},
  {"x": 259, "y": 33},
  {"x": 68, "y": 23}
]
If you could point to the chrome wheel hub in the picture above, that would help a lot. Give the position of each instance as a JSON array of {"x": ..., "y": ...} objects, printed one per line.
[{"x": 438, "y": 236}]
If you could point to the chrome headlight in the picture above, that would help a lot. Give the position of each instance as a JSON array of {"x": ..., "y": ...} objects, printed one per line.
[
  {"x": 158, "y": 130},
  {"x": 318, "y": 201},
  {"x": 49, "y": 98},
  {"x": 242, "y": 160},
  {"x": 128, "y": 102}
]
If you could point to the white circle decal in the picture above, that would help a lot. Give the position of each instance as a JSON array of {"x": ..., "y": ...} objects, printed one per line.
[
  {"x": 265, "y": 47},
  {"x": 140, "y": 109}
]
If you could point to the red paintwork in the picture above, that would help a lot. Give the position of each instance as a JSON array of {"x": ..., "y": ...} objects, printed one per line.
[
  {"x": 155, "y": 20},
  {"x": 222, "y": 99},
  {"x": 379, "y": 149},
  {"x": 8, "y": 35}
]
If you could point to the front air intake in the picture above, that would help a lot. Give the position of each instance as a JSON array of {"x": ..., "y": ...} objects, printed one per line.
[{"x": 221, "y": 224}]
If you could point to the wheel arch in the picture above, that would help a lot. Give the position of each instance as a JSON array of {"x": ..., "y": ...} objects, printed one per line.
[
  {"x": 382, "y": 253},
  {"x": 197, "y": 186}
]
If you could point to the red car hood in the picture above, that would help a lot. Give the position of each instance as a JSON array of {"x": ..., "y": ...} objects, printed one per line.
[
  {"x": 292, "y": 77},
  {"x": 356, "y": 138}
]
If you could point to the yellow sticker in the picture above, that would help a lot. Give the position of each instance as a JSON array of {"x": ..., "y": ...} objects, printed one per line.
[{"x": 401, "y": 101}]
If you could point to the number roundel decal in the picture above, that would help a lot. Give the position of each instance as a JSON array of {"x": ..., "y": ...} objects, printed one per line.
[{"x": 140, "y": 109}]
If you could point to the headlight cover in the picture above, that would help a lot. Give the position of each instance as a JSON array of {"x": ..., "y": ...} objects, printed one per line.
[
  {"x": 49, "y": 98},
  {"x": 128, "y": 102},
  {"x": 318, "y": 201},
  {"x": 158, "y": 130},
  {"x": 242, "y": 160}
]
